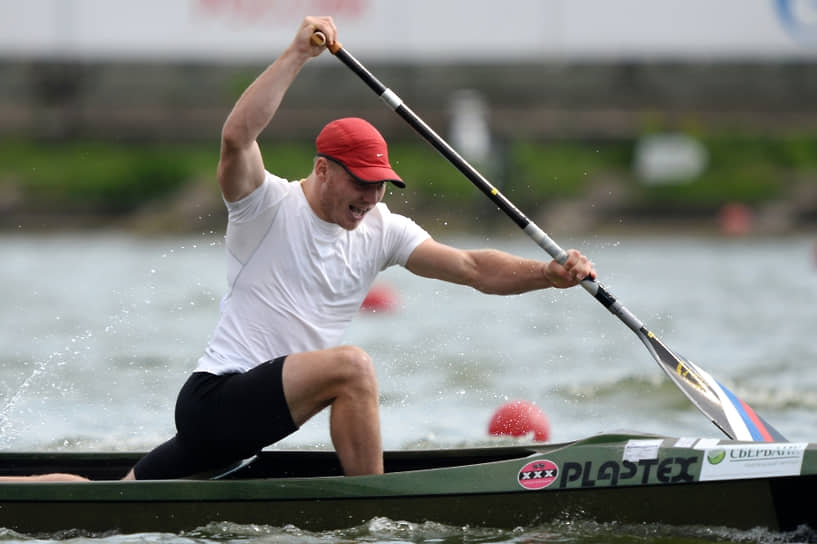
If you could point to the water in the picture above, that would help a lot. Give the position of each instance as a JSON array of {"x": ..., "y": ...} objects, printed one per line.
[{"x": 98, "y": 331}]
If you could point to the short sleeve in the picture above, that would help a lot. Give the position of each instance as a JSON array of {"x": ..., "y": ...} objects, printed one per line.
[
  {"x": 265, "y": 196},
  {"x": 250, "y": 218},
  {"x": 403, "y": 236}
]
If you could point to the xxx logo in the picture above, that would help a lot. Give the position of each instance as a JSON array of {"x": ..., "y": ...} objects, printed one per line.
[{"x": 538, "y": 474}]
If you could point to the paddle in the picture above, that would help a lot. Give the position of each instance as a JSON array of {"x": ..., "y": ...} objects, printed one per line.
[{"x": 728, "y": 412}]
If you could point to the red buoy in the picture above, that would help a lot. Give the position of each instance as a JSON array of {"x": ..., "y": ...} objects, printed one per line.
[
  {"x": 380, "y": 299},
  {"x": 520, "y": 418}
]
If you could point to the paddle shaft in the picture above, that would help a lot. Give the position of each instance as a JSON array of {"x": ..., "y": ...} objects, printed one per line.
[
  {"x": 531, "y": 229},
  {"x": 729, "y": 414}
]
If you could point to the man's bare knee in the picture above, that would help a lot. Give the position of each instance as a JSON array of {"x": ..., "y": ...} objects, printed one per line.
[
  {"x": 357, "y": 369},
  {"x": 315, "y": 380}
]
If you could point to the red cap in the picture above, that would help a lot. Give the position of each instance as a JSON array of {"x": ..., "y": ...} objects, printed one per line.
[{"x": 357, "y": 146}]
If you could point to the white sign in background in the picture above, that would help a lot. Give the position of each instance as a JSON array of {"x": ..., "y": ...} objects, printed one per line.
[{"x": 417, "y": 30}]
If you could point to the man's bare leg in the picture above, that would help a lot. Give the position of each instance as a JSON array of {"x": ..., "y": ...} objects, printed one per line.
[
  {"x": 53, "y": 477},
  {"x": 344, "y": 379}
]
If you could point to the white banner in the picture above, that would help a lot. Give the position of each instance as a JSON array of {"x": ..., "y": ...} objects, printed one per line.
[{"x": 416, "y": 30}]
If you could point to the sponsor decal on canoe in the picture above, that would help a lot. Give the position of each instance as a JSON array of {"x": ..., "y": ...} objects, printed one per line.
[
  {"x": 571, "y": 474},
  {"x": 715, "y": 456},
  {"x": 538, "y": 474},
  {"x": 670, "y": 470},
  {"x": 731, "y": 462}
]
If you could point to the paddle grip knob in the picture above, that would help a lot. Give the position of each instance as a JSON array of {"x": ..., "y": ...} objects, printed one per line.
[{"x": 319, "y": 39}]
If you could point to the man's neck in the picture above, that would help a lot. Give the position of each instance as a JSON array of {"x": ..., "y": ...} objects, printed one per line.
[{"x": 309, "y": 185}]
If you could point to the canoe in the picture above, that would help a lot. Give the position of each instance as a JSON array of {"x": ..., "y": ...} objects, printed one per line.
[{"x": 621, "y": 477}]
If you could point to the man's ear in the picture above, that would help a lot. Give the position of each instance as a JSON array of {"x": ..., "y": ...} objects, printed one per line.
[{"x": 321, "y": 168}]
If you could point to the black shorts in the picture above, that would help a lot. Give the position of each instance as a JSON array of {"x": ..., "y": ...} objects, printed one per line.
[{"x": 222, "y": 419}]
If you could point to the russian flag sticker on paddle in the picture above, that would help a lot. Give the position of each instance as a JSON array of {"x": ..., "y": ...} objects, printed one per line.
[{"x": 538, "y": 474}]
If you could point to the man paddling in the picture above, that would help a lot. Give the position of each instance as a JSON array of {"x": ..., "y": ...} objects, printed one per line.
[{"x": 301, "y": 257}]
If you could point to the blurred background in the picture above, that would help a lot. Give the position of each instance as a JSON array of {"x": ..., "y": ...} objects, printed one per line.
[
  {"x": 674, "y": 142},
  {"x": 589, "y": 114}
]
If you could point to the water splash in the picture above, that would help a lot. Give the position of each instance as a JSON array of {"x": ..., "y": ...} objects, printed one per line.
[{"x": 8, "y": 433}]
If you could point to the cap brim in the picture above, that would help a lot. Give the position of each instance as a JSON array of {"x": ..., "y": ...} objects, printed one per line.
[
  {"x": 376, "y": 175},
  {"x": 369, "y": 174}
]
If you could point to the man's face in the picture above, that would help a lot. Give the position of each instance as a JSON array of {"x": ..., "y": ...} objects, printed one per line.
[{"x": 345, "y": 200}]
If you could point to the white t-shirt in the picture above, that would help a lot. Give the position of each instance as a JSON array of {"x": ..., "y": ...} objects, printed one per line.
[{"x": 296, "y": 281}]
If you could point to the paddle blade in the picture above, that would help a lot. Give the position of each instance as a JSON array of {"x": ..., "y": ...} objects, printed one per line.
[{"x": 728, "y": 412}]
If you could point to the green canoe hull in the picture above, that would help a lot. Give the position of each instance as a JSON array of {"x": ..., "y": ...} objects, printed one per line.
[{"x": 626, "y": 478}]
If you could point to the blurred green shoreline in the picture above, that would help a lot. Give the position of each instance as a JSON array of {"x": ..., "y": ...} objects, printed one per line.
[{"x": 563, "y": 185}]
